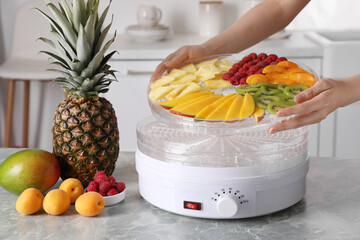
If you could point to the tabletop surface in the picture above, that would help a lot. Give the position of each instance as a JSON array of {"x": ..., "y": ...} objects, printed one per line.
[{"x": 330, "y": 210}]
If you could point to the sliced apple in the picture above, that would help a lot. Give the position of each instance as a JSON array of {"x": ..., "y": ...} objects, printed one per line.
[
  {"x": 185, "y": 79},
  {"x": 196, "y": 106},
  {"x": 206, "y": 111},
  {"x": 217, "y": 83},
  {"x": 180, "y": 100},
  {"x": 190, "y": 88},
  {"x": 160, "y": 92},
  {"x": 175, "y": 92},
  {"x": 234, "y": 109},
  {"x": 258, "y": 114},
  {"x": 162, "y": 81},
  {"x": 221, "y": 111},
  {"x": 248, "y": 106},
  {"x": 189, "y": 68}
]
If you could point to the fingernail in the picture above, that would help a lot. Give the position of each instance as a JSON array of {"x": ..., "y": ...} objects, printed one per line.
[{"x": 271, "y": 130}]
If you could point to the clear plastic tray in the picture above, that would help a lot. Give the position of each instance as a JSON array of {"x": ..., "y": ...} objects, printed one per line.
[
  {"x": 248, "y": 148},
  {"x": 215, "y": 127}
]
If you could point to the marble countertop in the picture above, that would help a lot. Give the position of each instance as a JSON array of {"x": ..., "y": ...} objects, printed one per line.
[
  {"x": 295, "y": 45},
  {"x": 330, "y": 210}
]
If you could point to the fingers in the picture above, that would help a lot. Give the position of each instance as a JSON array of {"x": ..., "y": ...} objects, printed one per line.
[
  {"x": 297, "y": 121},
  {"x": 172, "y": 60},
  {"x": 309, "y": 93}
]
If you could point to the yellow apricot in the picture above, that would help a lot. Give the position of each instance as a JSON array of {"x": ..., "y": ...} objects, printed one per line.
[
  {"x": 29, "y": 201},
  {"x": 90, "y": 204},
  {"x": 56, "y": 202},
  {"x": 73, "y": 187}
]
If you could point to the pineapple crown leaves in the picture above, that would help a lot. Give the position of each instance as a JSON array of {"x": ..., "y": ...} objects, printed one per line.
[{"x": 80, "y": 46}]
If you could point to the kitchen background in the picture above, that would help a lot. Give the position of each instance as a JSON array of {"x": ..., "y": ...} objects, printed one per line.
[{"x": 180, "y": 16}]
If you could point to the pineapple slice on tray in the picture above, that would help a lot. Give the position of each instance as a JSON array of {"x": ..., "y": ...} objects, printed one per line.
[{"x": 85, "y": 131}]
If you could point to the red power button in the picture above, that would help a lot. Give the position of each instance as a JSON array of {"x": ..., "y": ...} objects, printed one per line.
[{"x": 192, "y": 205}]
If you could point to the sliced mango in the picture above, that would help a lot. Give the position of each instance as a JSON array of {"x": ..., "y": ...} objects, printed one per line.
[
  {"x": 258, "y": 114},
  {"x": 179, "y": 100},
  {"x": 189, "y": 102},
  {"x": 196, "y": 106},
  {"x": 207, "y": 110},
  {"x": 221, "y": 111},
  {"x": 234, "y": 109},
  {"x": 248, "y": 106}
]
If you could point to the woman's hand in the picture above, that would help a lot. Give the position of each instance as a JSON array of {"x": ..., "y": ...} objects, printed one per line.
[
  {"x": 182, "y": 54},
  {"x": 316, "y": 103}
]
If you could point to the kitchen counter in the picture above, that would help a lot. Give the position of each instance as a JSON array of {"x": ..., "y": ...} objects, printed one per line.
[
  {"x": 295, "y": 45},
  {"x": 330, "y": 210}
]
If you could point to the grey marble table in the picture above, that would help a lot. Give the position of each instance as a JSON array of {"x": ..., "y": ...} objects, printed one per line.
[{"x": 330, "y": 210}]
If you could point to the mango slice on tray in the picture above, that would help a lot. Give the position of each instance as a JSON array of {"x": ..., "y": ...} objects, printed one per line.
[
  {"x": 248, "y": 106},
  {"x": 196, "y": 106},
  {"x": 210, "y": 108},
  {"x": 221, "y": 111},
  {"x": 234, "y": 109},
  {"x": 174, "y": 102}
]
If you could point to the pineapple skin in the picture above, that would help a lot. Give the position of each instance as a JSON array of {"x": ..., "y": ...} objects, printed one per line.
[{"x": 85, "y": 138}]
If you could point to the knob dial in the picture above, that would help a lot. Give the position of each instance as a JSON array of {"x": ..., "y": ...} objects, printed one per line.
[{"x": 227, "y": 206}]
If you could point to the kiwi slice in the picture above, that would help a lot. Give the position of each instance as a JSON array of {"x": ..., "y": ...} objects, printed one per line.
[
  {"x": 276, "y": 106},
  {"x": 287, "y": 100},
  {"x": 271, "y": 85},
  {"x": 293, "y": 90},
  {"x": 281, "y": 86},
  {"x": 269, "y": 90},
  {"x": 243, "y": 89},
  {"x": 262, "y": 101}
]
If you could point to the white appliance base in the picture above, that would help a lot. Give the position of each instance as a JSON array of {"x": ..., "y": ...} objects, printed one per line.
[{"x": 218, "y": 193}]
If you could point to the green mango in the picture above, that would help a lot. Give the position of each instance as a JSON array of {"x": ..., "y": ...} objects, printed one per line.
[{"x": 29, "y": 168}]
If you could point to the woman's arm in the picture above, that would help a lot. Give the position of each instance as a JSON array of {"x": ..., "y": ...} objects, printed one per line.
[
  {"x": 257, "y": 24},
  {"x": 317, "y": 102}
]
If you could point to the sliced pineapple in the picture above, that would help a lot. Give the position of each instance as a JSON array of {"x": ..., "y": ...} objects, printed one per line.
[
  {"x": 160, "y": 92},
  {"x": 175, "y": 92},
  {"x": 204, "y": 76},
  {"x": 185, "y": 79},
  {"x": 191, "y": 88},
  {"x": 217, "y": 83},
  {"x": 212, "y": 61},
  {"x": 162, "y": 81},
  {"x": 209, "y": 68},
  {"x": 189, "y": 68},
  {"x": 224, "y": 65},
  {"x": 177, "y": 73}
]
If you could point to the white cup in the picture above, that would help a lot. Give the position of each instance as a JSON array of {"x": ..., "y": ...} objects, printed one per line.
[
  {"x": 210, "y": 18},
  {"x": 148, "y": 16}
]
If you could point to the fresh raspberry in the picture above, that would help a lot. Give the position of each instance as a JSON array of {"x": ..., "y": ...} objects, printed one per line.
[
  {"x": 102, "y": 193},
  {"x": 249, "y": 73},
  {"x": 243, "y": 81},
  {"x": 247, "y": 65},
  {"x": 246, "y": 59},
  {"x": 260, "y": 71},
  {"x": 240, "y": 74},
  {"x": 231, "y": 72},
  {"x": 242, "y": 70},
  {"x": 112, "y": 192},
  {"x": 272, "y": 57},
  {"x": 282, "y": 59},
  {"x": 241, "y": 63},
  {"x": 262, "y": 64},
  {"x": 112, "y": 180},
  {"x": 254, "y": 68},
  {"x": 100, "y": 173},
  {"x": 100, "y": 178},
  {"x": 236, "y": 66},
  {"x": 252, "y": 56},
  {"x": 226, "y": 76},
  {"x": 262, "y": 56},
  {"x": 268, "y": 61},
  {"x": 105, "y": 186},
  {"x": 255, "y": 61},
  {"x": 93, "y": 187},
  {"x": 120, "y": 186}
]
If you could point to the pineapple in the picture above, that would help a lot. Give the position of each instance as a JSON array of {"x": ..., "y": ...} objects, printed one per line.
[{"x": 85, "y": 132}]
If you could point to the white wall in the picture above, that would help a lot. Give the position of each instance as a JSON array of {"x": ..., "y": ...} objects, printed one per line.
[{"x": 181, "y": 16}]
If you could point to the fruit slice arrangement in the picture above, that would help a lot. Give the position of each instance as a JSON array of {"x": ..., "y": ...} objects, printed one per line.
[
  {"x": 201, "y": 77},
  {"x": 266, "y": 83}
]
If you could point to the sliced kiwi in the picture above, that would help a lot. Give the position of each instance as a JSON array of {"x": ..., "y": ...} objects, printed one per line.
[
  {"x": 293, "y": 90},
  {"x": 281, "y": 86},
  {"x": 276, "y": 106},
  {"x": 241, "y": 90},
  {"x": 265, "y": 84},
  {"x": 269, "y": 90},
  {"x": 288, "y": 100},
  {"x": 262, "y": 101}
]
